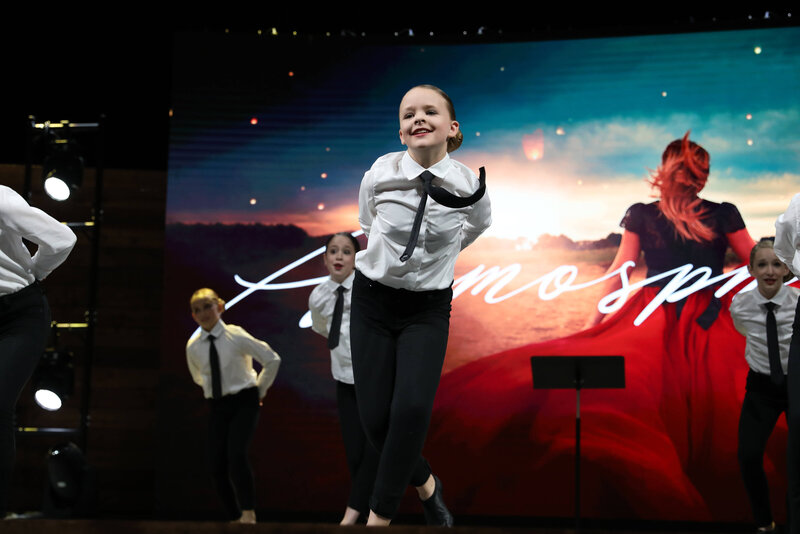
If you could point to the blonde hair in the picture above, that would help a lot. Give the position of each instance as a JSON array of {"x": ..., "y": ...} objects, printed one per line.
[
  {"x": 452, "y": 142},
  {"x": 767, "y": 242},
  {"x": 206, "y": 293},
  {"x": 683, "y": 173}
]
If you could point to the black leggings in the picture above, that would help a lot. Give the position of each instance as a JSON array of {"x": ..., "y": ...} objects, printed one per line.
[
  {"x": 398, "y": 340},
  {"x": 764, "y": 402},
  {"x": 231, "y": 429},
  {"x": 362, "y": 458},
  {"x": 24, "y": 326}
]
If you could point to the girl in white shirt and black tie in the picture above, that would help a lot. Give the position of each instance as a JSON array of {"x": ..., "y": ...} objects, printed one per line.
[
  {"x": 24, "y": 312},
  {"x": 330, "y": 317},
  {"x": 767, "y": 354},
  {"x": 400, "y": 312},
  {"x": 220, "y": 358}
]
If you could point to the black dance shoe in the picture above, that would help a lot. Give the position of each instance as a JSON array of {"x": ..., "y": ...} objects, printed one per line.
[{"x": 436, "y": 513}]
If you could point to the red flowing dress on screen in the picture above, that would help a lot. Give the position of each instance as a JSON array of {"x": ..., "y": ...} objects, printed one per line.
[{"x": 663, "y": 448}]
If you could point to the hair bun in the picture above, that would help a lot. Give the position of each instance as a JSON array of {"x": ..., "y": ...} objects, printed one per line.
[{"x": 454, "y": 142}]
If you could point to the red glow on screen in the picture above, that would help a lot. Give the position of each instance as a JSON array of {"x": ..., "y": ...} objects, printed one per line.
[{"x": 533, "y": 145}]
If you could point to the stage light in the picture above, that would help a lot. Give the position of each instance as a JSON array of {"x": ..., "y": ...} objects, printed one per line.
[
  {"x": 54, "y": 378},
  {"x": 69, "y": 489},
  {"x": 48, "y": 400},
  {"x": 62, "y": 170}
]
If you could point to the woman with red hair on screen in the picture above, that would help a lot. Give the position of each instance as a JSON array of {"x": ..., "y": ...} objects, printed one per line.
[{"x": 658, "y": 449}]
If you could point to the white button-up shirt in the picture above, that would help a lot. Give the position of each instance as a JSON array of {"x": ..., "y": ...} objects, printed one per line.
[
  {"x": 787, "y": 236},
  {"x": 236, "y": 349},
  {"x": 388, "y": 199},
  {"x": 750, "y": 319},
  {"x": 18, "y": 269},
  {"x": 321, "y": 303}
]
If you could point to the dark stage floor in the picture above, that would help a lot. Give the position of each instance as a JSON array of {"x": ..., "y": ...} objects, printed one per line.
[{"x": 43, "y": 526}]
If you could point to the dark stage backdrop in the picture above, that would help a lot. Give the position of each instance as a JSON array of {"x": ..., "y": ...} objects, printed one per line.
[{"x": 269, "y": 141}]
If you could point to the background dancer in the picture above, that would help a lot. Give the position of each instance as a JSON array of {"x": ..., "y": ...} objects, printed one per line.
[
  {"x": 330, "y": 315},
  {"x": 765, "y": 315},
  {"x": 220, "y": 358}
]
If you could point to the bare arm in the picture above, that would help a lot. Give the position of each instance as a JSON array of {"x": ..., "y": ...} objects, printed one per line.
[
  {"x": 741, "y": 242},
  {"x": 629, "y": 249}
]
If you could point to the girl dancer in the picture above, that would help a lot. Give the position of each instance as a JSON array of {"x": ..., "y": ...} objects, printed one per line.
[
  {"x": 402, "y": 291},
  {"x": 757, "y": 314},
  {"x": 24, "y": 313},
  {"x": 787, "y": 246},
  {"x": 330, "y": 315},
  {"x": 220, "y": 358}
]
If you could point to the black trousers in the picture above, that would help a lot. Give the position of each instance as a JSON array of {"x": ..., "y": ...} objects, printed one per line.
[
  {"x": 763, "y": 404},
  {"x": 793, "y": 419},
  {"x": 362, "y": 458},
  {"x": 231, "y": 429},
  {"x": 398, "y": 341},
  {"x": 24, "y": 326}
]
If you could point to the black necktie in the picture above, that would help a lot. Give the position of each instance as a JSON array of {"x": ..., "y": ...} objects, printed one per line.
[
  {"x": 775, "y": 369},
  {"x": 216, "y": 375},
  {"x": 443, "y": 197},
  {"x": 336, "y": 322}
]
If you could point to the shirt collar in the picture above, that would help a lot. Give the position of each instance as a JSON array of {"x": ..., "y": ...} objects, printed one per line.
[
  {"x": 217, "y": 331},
  {"x": 347, "y": 283},
  {"x": 412, "y": 169},
  {"x": 779, "y": 298}
]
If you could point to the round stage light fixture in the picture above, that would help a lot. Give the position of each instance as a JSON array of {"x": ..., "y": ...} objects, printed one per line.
[
  {"x": 62, "y": 170},
  {"x": 56, "y": 188},
  {"x": 47, "y": 400},
  {"x": 54, "y": 379},
  {"x": 70, "y": 488}
]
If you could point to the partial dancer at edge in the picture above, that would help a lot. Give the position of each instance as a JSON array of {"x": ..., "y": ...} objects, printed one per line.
[
  {"x": 330, "y": 317},
  {"x": 400, "y": 315},
  {"x": 787, "y": 245},
  {"x": 24, "y": 312}
]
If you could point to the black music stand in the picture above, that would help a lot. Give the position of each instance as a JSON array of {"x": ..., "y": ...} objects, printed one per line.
[{"x": 578, "y": 372}]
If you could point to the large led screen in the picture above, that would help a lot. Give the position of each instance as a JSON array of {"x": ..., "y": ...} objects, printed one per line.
[{"x": 270, "y": 139}]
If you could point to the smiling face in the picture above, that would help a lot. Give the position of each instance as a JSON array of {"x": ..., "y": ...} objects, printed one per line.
[
  {"x": 206, "y": 312},
  {"x": 768, "y": 271},
  {"x": 340, "y": 258},
  {"x": 425, "y": 125}
]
